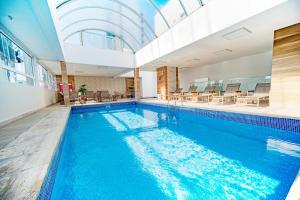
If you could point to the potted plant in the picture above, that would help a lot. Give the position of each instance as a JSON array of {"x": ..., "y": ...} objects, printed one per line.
[{"x": 82, "y": 91}]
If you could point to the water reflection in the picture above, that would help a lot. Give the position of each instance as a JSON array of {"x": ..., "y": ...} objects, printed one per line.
[
  {"x": 133, "y": 121},
  {"x": 114, "y": 122},
  {"x": 283, "y": 147},
  {"x": 184, "y": 169}
]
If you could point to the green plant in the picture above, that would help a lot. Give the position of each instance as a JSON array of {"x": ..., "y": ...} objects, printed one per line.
[{"x": 82, "y": 89}]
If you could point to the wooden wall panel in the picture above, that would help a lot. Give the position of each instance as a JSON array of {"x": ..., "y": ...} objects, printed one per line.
[
  {"x": 162, "y": 80},
  {"x": 129, "y": 83},
  {"x": 285, "y": 87},
  {"x": 177, "y": 78},
  {"x": 167, "y": 80},
  {"x": 137, "y": 83}
]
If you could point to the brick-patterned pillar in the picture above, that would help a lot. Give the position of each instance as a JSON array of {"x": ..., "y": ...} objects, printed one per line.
[
  {"x": 64, "y": 77},
  {"x": 285, "y": 85},
  {"x": 167, "y": 81},
  {"x": 162, "y": 82},
  {"x": 177, "y": 79},
  {"x": 137, "y": 84}
]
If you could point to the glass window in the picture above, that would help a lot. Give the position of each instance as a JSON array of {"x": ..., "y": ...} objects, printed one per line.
[
  {"x": 1, "y": 51},
  {"x": 28, "y": 64},
  {"x": 138, "y": 22},
  {"x": 44, "y": 80},
  {"x": 15, "y": 63},
  {"x": 4, "y": 56},
  {"x": 14, "y": 77},
  {"x": 74, "y": 39},
  {"x": 191, "y": 5},
  {"x": 11, "y": 51},
  {"x": 14, "y": 57}
]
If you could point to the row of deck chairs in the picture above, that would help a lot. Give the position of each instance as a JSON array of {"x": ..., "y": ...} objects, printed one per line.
[
  {"x": 98, "y": 96},
  {"x": 232, "y": 94}
]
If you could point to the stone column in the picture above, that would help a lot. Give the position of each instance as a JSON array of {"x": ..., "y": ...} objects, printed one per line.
[
  {"x": 137, "y": 84},
  {"x": 285, "y": 84},
  {"x": 177, "y": 78},
  {"x": 167, "y": 81},
  {"x": 64, "y": 78}
]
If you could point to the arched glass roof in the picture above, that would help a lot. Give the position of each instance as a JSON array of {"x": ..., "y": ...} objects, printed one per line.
[{"x": 136, "y": 22}]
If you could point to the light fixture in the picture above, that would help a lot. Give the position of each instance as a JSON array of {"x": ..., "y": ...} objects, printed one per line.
[
  {"x": 223, "y": 52},
  {"x": 241, "y": 32}
]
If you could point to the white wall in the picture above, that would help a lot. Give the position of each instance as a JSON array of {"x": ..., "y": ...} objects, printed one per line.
[
  {"x": 245, "y": 67},
  {"x": 97, "y": 83},
  {"x": 17, "y": 99},
  {"x": 100, "y": 57},
  {"x": 148, "y": 83}
]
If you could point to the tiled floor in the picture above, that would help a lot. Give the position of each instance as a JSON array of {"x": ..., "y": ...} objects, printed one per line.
[
  {"x": 26, "y": 149},
  {"x": 289, "y": 112}
]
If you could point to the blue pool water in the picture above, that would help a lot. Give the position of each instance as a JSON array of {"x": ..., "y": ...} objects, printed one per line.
[{"x": 147, "y": 152}]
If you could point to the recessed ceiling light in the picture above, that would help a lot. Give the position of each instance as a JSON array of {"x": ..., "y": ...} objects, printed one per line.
[
  {"x": 223, "y": 52},
  {"x": 241, "y": 32}
]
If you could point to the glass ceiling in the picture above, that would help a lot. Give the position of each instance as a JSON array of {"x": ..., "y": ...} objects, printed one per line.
[{"x": 135, "y": 22}]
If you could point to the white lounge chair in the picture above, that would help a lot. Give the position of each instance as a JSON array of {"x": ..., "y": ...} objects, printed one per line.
[
  {"x": 208, "y": 94},
  {"x": 261, "y": 94},
  {"x": 231, "y": 92}
]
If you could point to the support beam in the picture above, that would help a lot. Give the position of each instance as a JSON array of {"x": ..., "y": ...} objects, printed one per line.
[
  {"x": 137, "y": 84},
  {"x": 285, "y": 85},
  {"x": 177, "y": 78},
  {"x": 64, "y": 77},
  {"x": 167, "y": 81}
]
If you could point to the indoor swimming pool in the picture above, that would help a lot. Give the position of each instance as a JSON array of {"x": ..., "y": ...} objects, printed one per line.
[{"x": 142, "y": 151}]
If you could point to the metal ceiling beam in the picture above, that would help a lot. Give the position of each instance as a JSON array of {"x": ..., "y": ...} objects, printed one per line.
[
  {"x": 106, "y": 21},
  {"x": 111, "y": 10},
  {"x": 103, "y": 30},
  {"x": 160, "y": 13},
  {"x": 200, "y": 2},
  {"x": 183, "y": 8}
]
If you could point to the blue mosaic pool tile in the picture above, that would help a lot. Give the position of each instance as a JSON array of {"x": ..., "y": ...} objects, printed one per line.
[
  {"x": 96, "y": 107},
  {"x": 48, "y": 183},
  {"x": 271, "y": 122}
]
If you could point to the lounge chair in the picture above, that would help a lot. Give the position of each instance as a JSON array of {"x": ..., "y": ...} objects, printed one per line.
[
  {"x": 90, "y": 95},
  {"x": 260, "y": 94},
  {"x": 230, "y": 95},
  {"x": 207, "y": 95},
  {"x": 190, "y": 95},
  {"x": 175, "y": 95},
  {"x": 98, "y": 96},
  {"x": 74, "y": 96},
  {"x": 104, "y": 95},
  {"x": 117, "y": 95}
]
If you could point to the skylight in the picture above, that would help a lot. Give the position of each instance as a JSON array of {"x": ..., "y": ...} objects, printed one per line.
[{"x": 134, "y": 23}]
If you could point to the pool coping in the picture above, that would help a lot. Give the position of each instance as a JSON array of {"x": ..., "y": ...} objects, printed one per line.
[
  {"x": 25, "y": 160},
  {"x": 60, "y": 133},
  {"x": 293, "y": 193}
]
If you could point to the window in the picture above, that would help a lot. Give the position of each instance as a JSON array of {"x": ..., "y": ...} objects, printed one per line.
[
  {"x": 17, "y": 66},
  {"x": 45, "y": 79}
]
